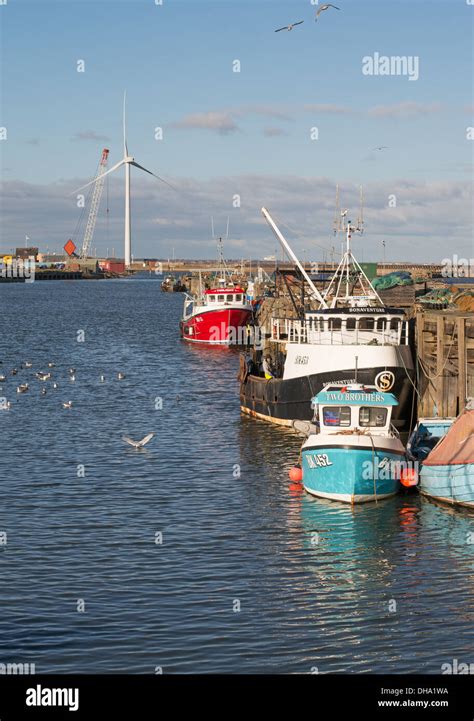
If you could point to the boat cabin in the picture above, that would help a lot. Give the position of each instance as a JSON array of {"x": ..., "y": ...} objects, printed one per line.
[
  {"x": 354, "y": 408},
  {"x": 372, "y": 325},
  {"x": 224, "y": 296}
]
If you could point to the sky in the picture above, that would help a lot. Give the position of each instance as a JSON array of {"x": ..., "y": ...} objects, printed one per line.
[{"x": 298, "y": 118}]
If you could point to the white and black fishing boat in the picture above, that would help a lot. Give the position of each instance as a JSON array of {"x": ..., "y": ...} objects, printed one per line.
[{"x": 350, "y": 329}]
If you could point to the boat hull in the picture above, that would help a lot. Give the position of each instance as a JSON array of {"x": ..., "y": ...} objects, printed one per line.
[
  {"x": 453, "y": 484},
  {"x": 217, "y": 327},
  {"x": 356, "y": 472},
  {"x": 282, "y": 401}
]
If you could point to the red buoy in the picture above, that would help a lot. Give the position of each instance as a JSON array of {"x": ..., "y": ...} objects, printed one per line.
[
  {"x": 296, "y": 474},
  {"x": 408, "y": 477}
]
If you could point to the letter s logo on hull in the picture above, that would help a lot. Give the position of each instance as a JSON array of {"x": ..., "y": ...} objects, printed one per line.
[{"x": 385, "y": 381}]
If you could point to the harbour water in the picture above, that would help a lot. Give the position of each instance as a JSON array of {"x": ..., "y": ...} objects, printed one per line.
[{"x": 196, "y": 554}]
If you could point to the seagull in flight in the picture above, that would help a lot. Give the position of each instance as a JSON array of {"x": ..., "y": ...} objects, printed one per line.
[
  {"x": 326, "y": 6},
  {"x": 289, "y": 27},
  {"x": 381, "y": 147},
  {"x": 138, "y": 444}
]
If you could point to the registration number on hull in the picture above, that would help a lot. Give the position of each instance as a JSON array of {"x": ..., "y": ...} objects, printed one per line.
[{"x": 318, "y": 460}]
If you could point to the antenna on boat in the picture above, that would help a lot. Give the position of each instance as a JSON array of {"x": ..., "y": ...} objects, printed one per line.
[
  {"x": 344, "y": 275},
  {"x": 337, "y": 213},
  {"x": 356, "y": 364},
  {"x": 360, "y": 219}
]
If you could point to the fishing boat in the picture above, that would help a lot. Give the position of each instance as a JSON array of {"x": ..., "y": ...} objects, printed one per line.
[
  {"x": 220, "y": 315},
  {"x": 426, "y": 434},
  {"x": 348, "y": 321},
  {"x": 168, "y": 283},
  {"x": 447, "y": 473},
  {"x": 353, "y": 453}
]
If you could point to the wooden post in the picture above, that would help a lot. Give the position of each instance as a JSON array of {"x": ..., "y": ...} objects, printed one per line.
[
  {"x": 462, "y": 360},
  {"x": 439, "y": 365}
]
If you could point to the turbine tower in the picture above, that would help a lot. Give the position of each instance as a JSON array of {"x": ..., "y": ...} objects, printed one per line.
[{"x": 127, "y": 160}]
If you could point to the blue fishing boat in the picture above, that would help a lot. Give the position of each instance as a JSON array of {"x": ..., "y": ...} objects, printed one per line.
[
  {"x": 448, "y": 471},
  {"x": 426, "y": 435},
  {"x": 353, "y": 453}
]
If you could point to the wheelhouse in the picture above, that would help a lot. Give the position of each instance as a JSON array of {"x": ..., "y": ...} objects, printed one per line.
[
  {"x": 354, "y": 408},
  {"x": 353, "y": 326}
]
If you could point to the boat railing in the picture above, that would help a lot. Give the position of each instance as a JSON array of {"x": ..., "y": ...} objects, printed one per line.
[{"x": 326, "y": 332}]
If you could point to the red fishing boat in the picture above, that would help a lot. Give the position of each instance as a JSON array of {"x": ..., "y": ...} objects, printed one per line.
[{"x": 219, "y": 315}]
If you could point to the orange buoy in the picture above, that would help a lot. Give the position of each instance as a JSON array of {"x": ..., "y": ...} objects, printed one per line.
[
  {"x": 408, "y": 477},
  {"x": 296, "y": 474}
]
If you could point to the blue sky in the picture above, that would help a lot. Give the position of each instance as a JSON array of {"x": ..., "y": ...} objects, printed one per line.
[{"x": 246, "y": 132}]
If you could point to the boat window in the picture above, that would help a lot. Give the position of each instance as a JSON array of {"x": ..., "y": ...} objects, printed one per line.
[
  {"x": 394, "y": 324},
  {"x": 220, "y": 298},
  {"x": 366, "y": 323},
  {"x": 238, "y": 297},
  {"x": 372, "y": 416},
  {"x": 335, "y": 323},
  {"x": 350, "y": 324},
  {"x": 211, "y": 298},
  {"x": 337, "y": 416},
  {"x": 230, "y": 298},
  {"x": 380, "y": 323}
]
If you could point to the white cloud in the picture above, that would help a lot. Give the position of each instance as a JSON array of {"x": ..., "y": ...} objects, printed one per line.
[
  {"x": 420, "y": 228},
  {"x": 89, "y": 135},
  {"x": 404, "y": 109}
]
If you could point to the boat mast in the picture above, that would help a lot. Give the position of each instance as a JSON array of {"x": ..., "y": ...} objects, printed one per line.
[{"x": 343, "y": 272}]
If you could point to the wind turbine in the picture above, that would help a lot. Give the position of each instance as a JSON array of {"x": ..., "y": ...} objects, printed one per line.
[{"x": 127, "y": 160}]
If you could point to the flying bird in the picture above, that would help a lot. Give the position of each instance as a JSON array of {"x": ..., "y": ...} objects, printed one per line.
[
  {"x": 326, "y": 6},
  {"x": 289, "y": 27},
  {"x": 138, "y": 444},
  {"x": 381, "y": 147}
]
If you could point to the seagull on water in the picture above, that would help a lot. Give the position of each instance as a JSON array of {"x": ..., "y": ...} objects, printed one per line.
[
  {"x": 3, "y": 378},
  {"x": 120, "y": 376},
  {"x": 43, "y": 391},
  {"x": 289, "y": 27},
  {"x": 102, "y": 378},
  {"x": 326, "y": 6},
  {"x": 22, "y": 388},
  {"x": 50, "y": 365},
  {"x": 27, "y": 364},
  {"x": 5, "y": 406},
  {"x": 43, "y": 376},
  {"x": 67, "y": 404},
  {"x": 138, "y": 444}
]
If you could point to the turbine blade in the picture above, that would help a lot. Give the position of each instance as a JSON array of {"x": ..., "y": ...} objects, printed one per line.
[
  {"x": 111, "y": 170},
  {"x": 137, "y": 165},
  {"x": 125, "y": 148}
]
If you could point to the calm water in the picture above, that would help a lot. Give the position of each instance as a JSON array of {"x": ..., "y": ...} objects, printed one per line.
[{"x": 227, "y": 540}]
